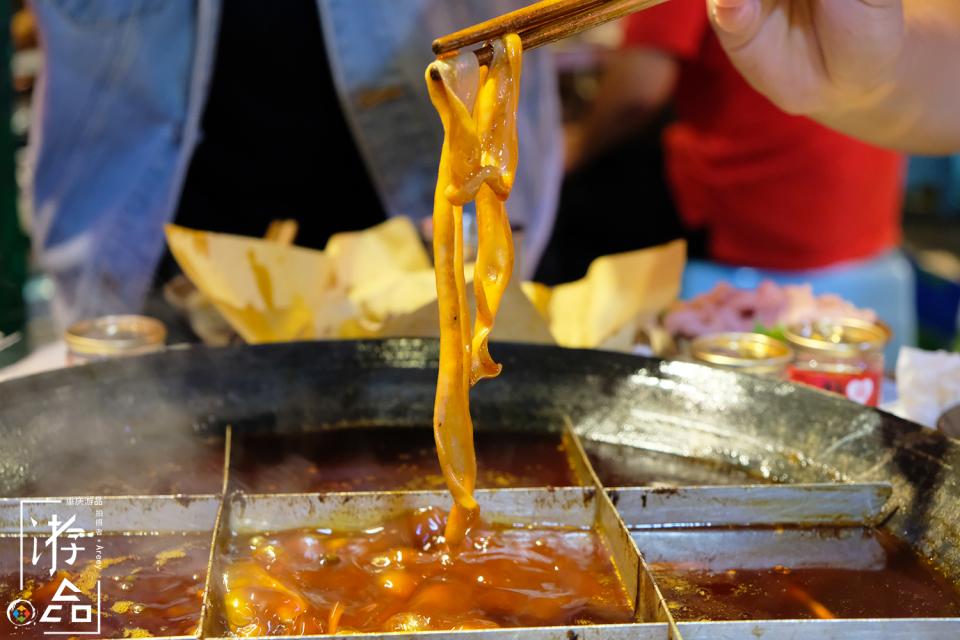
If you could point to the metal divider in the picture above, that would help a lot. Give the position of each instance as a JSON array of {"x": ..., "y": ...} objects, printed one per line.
[
  {"x": 650, "y": 602},
  {"x": 211, "y": 595},
  {"x": 206, "y": 607},
  {"x": 583, "y": 470},
  {"x": 227, "y": 462},
  {"x": 121, "y": 514},
  {"x": 753, "y": 505},
  {"x": 208, "y": 610}
]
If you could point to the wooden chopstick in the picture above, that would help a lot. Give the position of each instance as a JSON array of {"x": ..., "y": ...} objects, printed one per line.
[
  {"x": 539, "y": 24},
  {"x": 526, "y": 18}
]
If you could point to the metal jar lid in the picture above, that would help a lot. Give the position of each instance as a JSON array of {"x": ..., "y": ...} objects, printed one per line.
[
  {"x": 112, "y": 336},
  {"x": 743, "y": 351},
  {"x": 841, "y": 337}
]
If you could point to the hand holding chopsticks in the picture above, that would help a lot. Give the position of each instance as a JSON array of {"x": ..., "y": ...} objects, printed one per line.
[{"x": 539, "y": 24}]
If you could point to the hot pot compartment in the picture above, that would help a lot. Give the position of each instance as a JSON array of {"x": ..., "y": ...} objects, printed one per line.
[
  {"x": 143, "y": 571},
  {"x": 565, "y": 499},
  {"x": 395, "y": 458},
  {"x": 787, "y": 562},
  {"x": 579, "y": 512}
]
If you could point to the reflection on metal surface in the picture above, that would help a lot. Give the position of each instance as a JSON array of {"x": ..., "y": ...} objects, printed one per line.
[
  {"x": 621, "y": 465},
  {"x": 120, "y": 514},
  {"x": 795, "y": 505},
  {"x": 752, "y": 549}
]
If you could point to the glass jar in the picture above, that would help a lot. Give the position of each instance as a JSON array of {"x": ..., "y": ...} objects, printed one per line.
[
  {"x": 843, "y": 356},
  {"x": 753, "y": 353},
  {"x": 113, "y": 337}
]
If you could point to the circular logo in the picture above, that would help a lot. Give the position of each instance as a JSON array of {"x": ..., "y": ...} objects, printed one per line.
[{"x": 21, "y": 613}]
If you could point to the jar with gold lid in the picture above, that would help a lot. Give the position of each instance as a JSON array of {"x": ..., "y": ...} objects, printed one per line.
[
  {"x": 746, "y": 352},
  {"x": 113, "y": 337},
  {"x": 844, "y": 356}
]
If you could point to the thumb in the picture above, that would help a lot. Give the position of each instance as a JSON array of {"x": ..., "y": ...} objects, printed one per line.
[
  {"x": 860, "y": 40},
  {"x": 736, "y": 21}
]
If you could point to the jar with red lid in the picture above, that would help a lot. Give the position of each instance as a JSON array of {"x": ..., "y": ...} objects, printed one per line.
[{"x": 844, "y": 356}]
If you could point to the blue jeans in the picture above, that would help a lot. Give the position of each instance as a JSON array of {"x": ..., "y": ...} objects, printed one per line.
[
  {"x": 885, "y": 284},
  {"x": 119, "y": 109}
]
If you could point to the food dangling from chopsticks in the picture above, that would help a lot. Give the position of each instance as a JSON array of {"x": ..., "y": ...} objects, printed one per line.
[{"x": 478, "y": 162}]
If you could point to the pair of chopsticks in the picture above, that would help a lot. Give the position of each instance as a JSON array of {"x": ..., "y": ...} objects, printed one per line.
[{"x": 539, "y": 24}]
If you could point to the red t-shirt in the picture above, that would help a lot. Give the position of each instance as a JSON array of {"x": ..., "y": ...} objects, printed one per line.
[{"x": 773, "y": 190}]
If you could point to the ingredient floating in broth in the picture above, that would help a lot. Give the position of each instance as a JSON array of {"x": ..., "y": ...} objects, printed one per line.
[
  {"x": 478, "y": 162},
  {"x": 400, "y": 577}
]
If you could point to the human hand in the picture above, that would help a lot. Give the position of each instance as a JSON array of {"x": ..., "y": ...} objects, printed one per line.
[{"x": 813, "y": 57}]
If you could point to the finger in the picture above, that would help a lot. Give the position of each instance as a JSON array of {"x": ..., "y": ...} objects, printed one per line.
[
  {"x": 860, "y": 39},
  {"x": 772, "y": 44},
  {"x": 737, "y": 22}
]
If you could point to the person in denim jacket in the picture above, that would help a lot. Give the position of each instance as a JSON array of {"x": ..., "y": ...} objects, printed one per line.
[{"x": 120, "y": 117}]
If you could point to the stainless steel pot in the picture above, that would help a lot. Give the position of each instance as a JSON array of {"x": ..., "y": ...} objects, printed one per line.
[{"x": 836, "y": 463}]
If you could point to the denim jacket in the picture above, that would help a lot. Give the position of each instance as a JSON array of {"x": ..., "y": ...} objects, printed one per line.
[{"x": 120, "y": 103}]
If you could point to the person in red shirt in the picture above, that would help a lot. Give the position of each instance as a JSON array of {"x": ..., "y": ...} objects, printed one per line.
[{"x": 781, "y": 195}]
